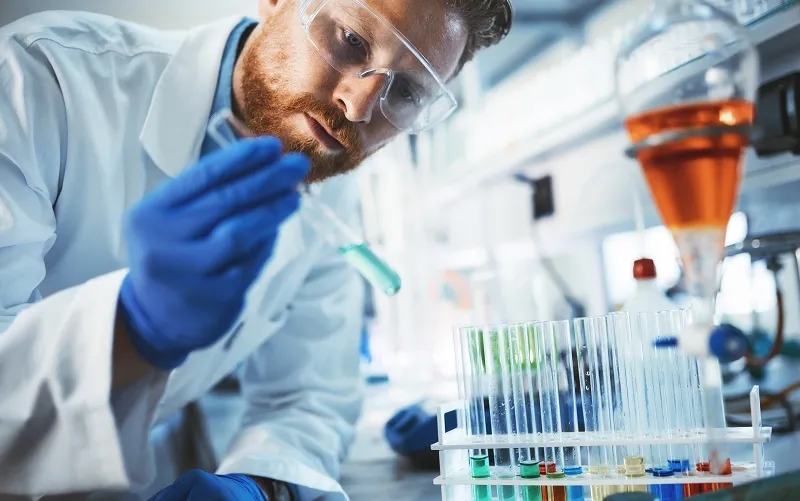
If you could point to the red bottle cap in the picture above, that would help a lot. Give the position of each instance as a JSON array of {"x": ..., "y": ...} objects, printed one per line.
[{"x": 644, "y": 269}]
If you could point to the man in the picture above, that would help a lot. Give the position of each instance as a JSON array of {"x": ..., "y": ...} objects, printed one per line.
[{"x": 140, "y": 263}]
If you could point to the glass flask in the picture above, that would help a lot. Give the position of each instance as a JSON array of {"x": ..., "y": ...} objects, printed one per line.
[{"x": 686, "y": 81}]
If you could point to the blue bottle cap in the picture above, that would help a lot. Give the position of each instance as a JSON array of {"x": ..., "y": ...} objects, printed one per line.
[
  {"x": 663, "y": 472},
  {"x": 573, "y": 470}
]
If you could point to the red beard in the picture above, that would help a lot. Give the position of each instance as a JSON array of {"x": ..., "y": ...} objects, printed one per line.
[{"x": 267, "y": 102}]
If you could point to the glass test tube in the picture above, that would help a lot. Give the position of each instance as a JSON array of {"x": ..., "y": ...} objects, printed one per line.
[
  {"x": 593, "y": 400},
  {"x": 530, "y": 469},
  {"x": 532, "y": 415},
  {"x": 475, "y": 374},
  {"x": 224, "y": 128},
  {"x": 616, "y": 375},
  {"x": 655, "y": 398},
  {"x": 668, "y": 359},
  {"x": 550, "y": 404},
  {"x": 609, "y": 373},
  {"x": 625, "y": 346},
  {"x": 574, "y": 492},
  {"x": 666, "y": 492},
  {"x": 684, "y": 397},
  {"x": 573, "y": 456},
  {"x": 714, "y": 413},
  {"x": 522, "y": 366},
  {"x": 501, "y": 404}
]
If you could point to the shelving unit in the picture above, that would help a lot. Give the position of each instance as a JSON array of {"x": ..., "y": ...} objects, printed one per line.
[
  {"x": 454, "y": 446},
  {"x": 774, "y": 35}
]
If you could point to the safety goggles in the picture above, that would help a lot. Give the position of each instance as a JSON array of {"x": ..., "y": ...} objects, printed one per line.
[{"x": 355, "y": 40}]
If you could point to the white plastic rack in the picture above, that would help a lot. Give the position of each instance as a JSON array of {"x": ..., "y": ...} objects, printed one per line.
[{"x": 456, "y": 480}]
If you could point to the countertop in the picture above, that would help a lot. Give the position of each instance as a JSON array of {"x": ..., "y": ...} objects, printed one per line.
[{"x": 374, "y": 472}]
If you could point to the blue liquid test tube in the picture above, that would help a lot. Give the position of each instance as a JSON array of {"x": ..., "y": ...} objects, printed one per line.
[
  {"x": 574, "y": 492},
  {"x": 666, "y": 492},
  {"x": 224, "y": 128}
]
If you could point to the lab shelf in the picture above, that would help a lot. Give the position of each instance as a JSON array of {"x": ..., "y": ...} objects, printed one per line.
[{"x": 775, "y": 35}]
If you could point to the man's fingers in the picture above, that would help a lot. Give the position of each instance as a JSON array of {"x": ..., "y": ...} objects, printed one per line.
[
  {"x": 262, "y": 188},
  {"x": 239, "y": 238},
  {"x": 219, "y": 168}
]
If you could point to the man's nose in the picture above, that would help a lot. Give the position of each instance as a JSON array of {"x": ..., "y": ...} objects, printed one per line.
[{"x": 358, "y": 96}]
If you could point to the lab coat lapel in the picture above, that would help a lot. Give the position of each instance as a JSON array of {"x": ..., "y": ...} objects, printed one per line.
[{"x": 176, "y": 121}]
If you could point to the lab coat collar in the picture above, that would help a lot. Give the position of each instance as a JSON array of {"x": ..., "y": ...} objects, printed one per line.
[
  {"x": 178, "y": 116},
  {"x": 176, "y": 122}
]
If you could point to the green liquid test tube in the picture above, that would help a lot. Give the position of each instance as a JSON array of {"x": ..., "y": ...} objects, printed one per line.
[
  {"x": 479, "y": 465},
  {"x": 530, "y": 469},
  {"x": 373, "y": 268}
]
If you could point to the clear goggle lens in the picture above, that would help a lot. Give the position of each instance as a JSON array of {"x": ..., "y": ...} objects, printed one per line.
[{"x": 355, "y": 40}]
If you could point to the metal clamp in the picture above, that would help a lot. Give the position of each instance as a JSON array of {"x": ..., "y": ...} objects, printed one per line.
[{"x": 671, "y": 136}]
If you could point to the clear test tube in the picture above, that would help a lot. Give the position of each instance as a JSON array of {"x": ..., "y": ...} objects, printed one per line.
[
  {"x": 683, "y": 396},
  {"x": 609, "y": 371},
  {"x": 573, "y": 456},
  {"x": 667, "y": 360},
  {"x": 553, "y": 385},
  {"x": 521, "y": 367},
  {"x": 593, "y": 401},
  {"x": 618, "y": 409},
  {"x": 461, "y": 365},
  {"x": 628, "y": 348},
  {"x": 655, "y": 398},
  {"x": 531, "y": 382},
  {"x": 501, "y": 404},
  {"x": 475, "y": 376},
  {"x": 714, "y": 414}
]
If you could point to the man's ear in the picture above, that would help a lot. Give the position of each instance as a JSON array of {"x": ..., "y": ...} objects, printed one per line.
[{"x": 267, "y": 8}]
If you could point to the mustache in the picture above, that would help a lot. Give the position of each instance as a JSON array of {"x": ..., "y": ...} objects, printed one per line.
[{"x": 331, "y": 116}]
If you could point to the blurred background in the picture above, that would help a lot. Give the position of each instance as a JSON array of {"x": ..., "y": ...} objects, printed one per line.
[{"x": 524, "y": 207}]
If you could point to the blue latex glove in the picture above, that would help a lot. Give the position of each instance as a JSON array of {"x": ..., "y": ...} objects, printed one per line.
[
  {"x": 198, "y": 485},
  {"x": 197, "y": 242}
]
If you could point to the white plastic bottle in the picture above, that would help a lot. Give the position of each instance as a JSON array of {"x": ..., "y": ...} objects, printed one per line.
[{"x": 648, "y": 297}]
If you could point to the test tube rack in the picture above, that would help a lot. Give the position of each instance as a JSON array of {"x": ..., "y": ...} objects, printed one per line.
[
  {"x": 568, "y": 411},
  {"x": 456, "y": 479}
]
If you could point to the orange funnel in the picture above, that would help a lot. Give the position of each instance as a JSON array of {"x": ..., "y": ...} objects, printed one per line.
[{"x": 695, "y": 180}]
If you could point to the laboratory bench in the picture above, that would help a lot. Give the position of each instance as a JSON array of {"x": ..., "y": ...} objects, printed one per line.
[{"x": 373, "y": 471}]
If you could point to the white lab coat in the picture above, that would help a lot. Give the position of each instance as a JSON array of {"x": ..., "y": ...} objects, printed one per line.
[{"x": 93, "y": 113}]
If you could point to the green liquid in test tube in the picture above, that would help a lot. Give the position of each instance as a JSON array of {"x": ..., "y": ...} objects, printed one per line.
[
  {"x": 373, "y": 268},
  {"x": 225, "y": 129},
  {"x": 479, "y": 466},
  {"x": 530, "y": 469}
]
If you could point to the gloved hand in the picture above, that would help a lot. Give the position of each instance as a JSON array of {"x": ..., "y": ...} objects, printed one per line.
[
  {"x": 198, "y": 485},
  {"x": 197, "y": 242}
]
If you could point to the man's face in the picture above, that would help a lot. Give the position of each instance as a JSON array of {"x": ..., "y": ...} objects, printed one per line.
[{"x": 285, "y": 88}]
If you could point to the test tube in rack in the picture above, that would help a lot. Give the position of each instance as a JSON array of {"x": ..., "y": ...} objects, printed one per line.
[
  {"x": 475, "y": 375},
  {"x": 501, "y": 403}
]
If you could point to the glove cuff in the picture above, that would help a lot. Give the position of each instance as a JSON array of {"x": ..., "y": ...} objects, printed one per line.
[
  {"x": 143, "y": 336},
  {"x": 249, "y": 484}
]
